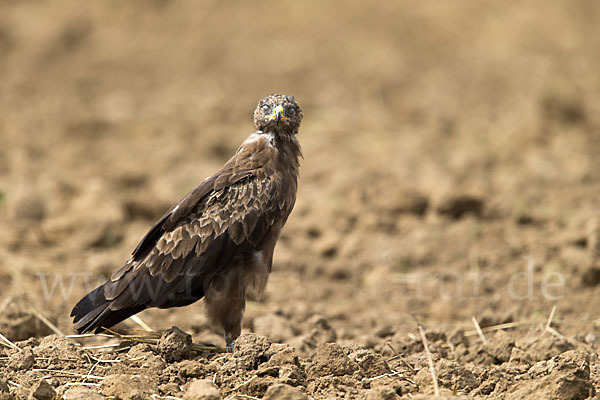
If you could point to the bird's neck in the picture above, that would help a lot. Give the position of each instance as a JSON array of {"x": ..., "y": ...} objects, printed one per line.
[{"x": 289, "y": 147}]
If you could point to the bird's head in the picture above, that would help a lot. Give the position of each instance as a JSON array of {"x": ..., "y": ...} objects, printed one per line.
[{"x": 278, "y": 113}]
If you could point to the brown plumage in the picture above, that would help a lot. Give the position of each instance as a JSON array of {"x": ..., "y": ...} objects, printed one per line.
[{"x": 218, "y": 241}]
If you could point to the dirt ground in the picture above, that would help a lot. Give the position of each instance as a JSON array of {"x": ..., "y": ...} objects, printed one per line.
[{"x": 450, "y": 177}]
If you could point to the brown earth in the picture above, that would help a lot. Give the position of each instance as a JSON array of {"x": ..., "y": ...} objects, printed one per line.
[{"x": 451, "y": 171}]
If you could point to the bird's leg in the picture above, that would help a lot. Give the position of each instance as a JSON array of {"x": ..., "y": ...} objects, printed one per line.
[
  {"x": 225, "y": 303},
  {"x": 233, "y": 328},
  {"x": 229, "y": 342}
]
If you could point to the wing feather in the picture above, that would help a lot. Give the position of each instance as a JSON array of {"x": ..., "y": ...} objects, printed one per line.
[{"x": 219, "y": 220}]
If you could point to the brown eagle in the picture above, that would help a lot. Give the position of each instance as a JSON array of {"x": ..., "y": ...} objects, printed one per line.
[{"x": 218, "y": 241}]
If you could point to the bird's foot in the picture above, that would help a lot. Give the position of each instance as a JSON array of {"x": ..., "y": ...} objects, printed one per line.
[
  {"x": 230, "y": 347},
  {"x": 230, "y": 336}
]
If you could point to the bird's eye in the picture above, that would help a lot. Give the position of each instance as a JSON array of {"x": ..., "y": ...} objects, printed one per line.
[
  {"x": 266, "y": 108},
  {"x": 291, "y": 110}
]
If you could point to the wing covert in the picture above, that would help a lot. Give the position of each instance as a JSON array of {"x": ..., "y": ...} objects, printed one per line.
[{"x": 221, "y": 225}]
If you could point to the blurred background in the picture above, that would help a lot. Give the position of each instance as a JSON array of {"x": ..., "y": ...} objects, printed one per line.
[{"x": 444, "y": 143}]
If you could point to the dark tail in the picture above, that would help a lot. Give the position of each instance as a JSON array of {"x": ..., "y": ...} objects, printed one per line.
[{"x": 92, "y": 312}]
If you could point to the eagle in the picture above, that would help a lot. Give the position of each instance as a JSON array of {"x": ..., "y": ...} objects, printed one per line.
[{"x": 217, "y": 242}]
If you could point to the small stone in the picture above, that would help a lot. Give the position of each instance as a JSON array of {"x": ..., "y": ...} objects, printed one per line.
[
  {"x": 267, "y": 370},
  {"x": 82, "y": 393},
  {"x": 274, "y": 326},
  {"x": 129, "y": 387},
  {"x": 202, "y": 389},
  {"x": 576, "y": 258},
  {"x": 30, "y": 207},
  {"x": 283, "y": 354},
  {"x": 23, "y": 360},
  {"x": 458, "y": 206},
  {"x": 384, "y": 331},
  {"x": 458, "y": 337},
  {"x": 251, "y": 350},
  {"x": 50, "y": 345},
  {"x": 140, "y": 350},
  {"x": 321, "y": 331},
  {"x": 452, "y": 375},
  {"x": 293, "y": 376},
  {"x": 284, "y": 364},
  {"x": 526, "y": 219},
  {"x": 432, "y": 397},
  {"x": 410, "y": 202},
  {"x": 42, "y": 391},
  {"x": 382, "y": 393},
  {"x": 591, "y": 277},
  {"x": 394, "y": 200},
  {"x": 5, "y": 391},
  {"x": 282, "y": 391},
  {"x": 175, "y": 345},
  {"x": 171, "y": 389},
  {"x": 593, "y": 235},
  {"x": 370, "y": 364},
  {"x": 500, "y": 347},
  {"x": 331, "y": 359},
  {"x": 191, "y": 369},
  {"x": 590, "y": 338},
  {"x": 22, "y": 325}
]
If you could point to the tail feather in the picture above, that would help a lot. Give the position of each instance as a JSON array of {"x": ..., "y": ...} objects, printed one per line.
[
  {"x": 93, "y": 312},
  {"x": 86, "y": 304}
]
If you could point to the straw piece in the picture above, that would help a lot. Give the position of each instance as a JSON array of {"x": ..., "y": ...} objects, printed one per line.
[
  {"x": 82, "y": 384},
  {"x": 46, "y": 321},
  {"x": 499, "y": 327},
  {"x": 478, "y": 329},
  {"x": 141, "y": 323},
  {"x": 67, "y": 373},
  {"x": 155, "y": 396},
  {"x": 436, "y": 388},
  {"x": 241, "y": 385},
  {"x": 389, "y": 344},
  {"x": 9, "y": 343},
  {"x": 551, "y": 317},
  {"x": 245, "y": 396}
]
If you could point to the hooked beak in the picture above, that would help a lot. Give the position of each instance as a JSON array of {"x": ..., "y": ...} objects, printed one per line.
[{"x": 278, "y": 114}]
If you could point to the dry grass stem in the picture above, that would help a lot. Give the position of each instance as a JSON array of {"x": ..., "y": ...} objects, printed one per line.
[
  {"x": 82, "y": 384},
  {"x": 551, "y": 317},
  {"x": 141, "y": 323},
  {"x": 436, "y": 388},
  {"x": 98, "y": 360},
  {"x": 9, "y": 343},
  {"x": 46, "y": 321},
  {"x": 81, "y": 335},
  {"x": 102, "y": 346},
  {"x": 499, "y": 327},
  {"x": 557, "y": 333},
  {"x": 245, "y": 396},
  {"x": 241, "y": 385},
  {"x": 153, "y": 337},
  {"x": 56, "y": 372},
  {"x": 385, "y": 375},
  {"x": 478, "y": 329},
  {"x": 398, "y": 355},
  {"x": 156, "y": 396}
]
